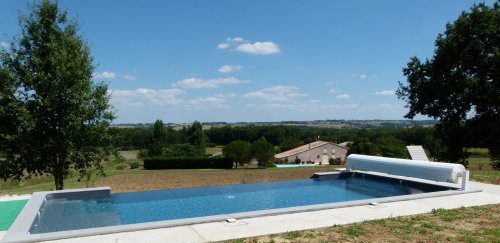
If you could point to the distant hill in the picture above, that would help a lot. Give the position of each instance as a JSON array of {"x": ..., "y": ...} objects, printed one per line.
[{"x": 339, "y": 124}]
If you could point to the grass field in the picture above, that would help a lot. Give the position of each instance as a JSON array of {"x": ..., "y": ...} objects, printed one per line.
[{"x": 474, "y": 224}]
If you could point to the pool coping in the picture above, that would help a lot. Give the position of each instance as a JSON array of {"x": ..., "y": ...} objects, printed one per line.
[{"x": 23, "y": 223}]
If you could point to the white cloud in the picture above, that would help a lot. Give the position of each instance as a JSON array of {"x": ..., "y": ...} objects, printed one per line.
[
  {"x": 129, "y": 77},
  {"x": 206, "y": 103},
  {"x": 256, "y": 48},
  {"x": 230, "y": 41},
  {"x": 343, "y": 96},
  {"x": 4, "y": 45},
  {"x": 235, "y": 39},
  {"x": 251, "y": 105},
  {"x": 196, "y": 83},
  {"x": 388, "y": 106},
  {"x": 259, "y": 48},
  {"x": 222, "y": 46},
  {"x": 276, "y": 93},
  {"x": 338, "y": 107},
  {"x": 104, "y": 75},
  {"x": 281, "y": 106},
  {"x": 142, "y": 96},
  {"x": 315, "y": 101},
  {"x": 364, "y": 76},
  {"x": 333, "y": 91},
  {"x": 385, "y": 93},
  {"x": 226, "y": 95},
  {"x": 229, "y": 68}
]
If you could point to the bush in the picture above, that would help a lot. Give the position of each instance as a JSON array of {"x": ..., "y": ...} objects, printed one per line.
[
  {"x": 187, "y": 163},
  {"x": 297, "y": 161},
  {"x": 336, "y": 161},
  {"x": 123, "y": 166},
  {"x": 134, "y": 164},
  {"x": 270, "y": 164},
  {"x": 143, "y": 153},
  {"x": 495, "y": 164}
]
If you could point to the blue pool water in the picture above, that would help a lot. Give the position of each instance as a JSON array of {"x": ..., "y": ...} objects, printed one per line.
[
  {"x": 139, "y": 207},
  {"x": 291, "y": 165}
]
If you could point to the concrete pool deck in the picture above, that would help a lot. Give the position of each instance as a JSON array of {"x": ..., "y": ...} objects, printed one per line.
[{"x": 248, "y": 227}]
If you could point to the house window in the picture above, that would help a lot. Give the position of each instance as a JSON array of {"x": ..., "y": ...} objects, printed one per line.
[
  {"x": 333, "y": 151},
  {"x": 324, "y": 151},
  {"x": 317, "y": 156}
]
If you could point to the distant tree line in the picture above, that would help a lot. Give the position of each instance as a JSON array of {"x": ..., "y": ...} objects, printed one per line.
[{"x": 192, "y": 140}]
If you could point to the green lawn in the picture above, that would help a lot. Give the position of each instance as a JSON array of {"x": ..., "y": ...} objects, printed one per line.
[
  {"x": 486, "y": 176},
  {"x": 472, "y": 224}
]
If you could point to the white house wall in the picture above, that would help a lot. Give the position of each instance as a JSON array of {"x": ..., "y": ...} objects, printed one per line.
[{"x": 316, "y": 154}]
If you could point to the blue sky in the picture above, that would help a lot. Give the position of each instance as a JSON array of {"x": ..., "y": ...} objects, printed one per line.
[{"x": 234, "y": 60}]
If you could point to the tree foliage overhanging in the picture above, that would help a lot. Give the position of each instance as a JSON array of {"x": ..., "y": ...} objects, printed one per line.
[
  {"x": 460, "y": 84},
  {"x": 53, "y": 117}
]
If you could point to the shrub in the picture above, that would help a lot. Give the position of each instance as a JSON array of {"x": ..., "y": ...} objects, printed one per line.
[
  {"x": 336, "y": 161},
  {"x": 187, "y": 163},
  {"x": 270, "y": 164},
  {"x": 143, "y": 153},
  {"x": 297, "y": 161},
  {"x": 123, "y": 166},
  {"x": 134, "y": 164}
]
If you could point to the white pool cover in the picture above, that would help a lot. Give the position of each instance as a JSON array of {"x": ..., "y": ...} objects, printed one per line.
[{"x": 435, "y": 171}]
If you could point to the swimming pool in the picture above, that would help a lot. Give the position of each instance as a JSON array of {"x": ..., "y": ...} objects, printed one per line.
[
  {"x": 367, "y": 179},
  {"x": 63, "y": 214}
]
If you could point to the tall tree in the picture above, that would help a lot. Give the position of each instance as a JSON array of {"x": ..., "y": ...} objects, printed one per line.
[
  {"x": 460, "y": 84},
  {"x": 158, "y": 139},
  {"x": 262, "y": 151},
  {"x": 196, "y": 136},
  {"x": 54, "y": 117},
  {"x": 239, "y": 151}
]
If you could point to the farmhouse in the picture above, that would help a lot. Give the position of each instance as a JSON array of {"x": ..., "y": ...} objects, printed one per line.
[{"x": 318, "y": 152}]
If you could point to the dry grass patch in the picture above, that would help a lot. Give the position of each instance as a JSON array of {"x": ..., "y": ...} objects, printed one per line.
[{"x": 170, "y": 179}]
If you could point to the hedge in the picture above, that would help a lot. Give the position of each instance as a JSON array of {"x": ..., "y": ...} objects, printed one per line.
[{"x": 187, "y": 163}]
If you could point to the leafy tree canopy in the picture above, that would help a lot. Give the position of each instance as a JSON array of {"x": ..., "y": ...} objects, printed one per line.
[
  {"x": 157, "y": 139},
  {"x": 460, "y": 84},
  {"x": 196, "y": 136},
  {"x": 238, "y": 151},
  {"x": 263, "y": 151},
  {"x": 53, "y": 117}
]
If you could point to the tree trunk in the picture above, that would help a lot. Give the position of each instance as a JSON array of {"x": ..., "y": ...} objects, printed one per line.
[{"x": 59, "y": 180}]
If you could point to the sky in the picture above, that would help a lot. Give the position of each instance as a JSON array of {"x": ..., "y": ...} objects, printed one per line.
[{"x": 253, "y": 61}]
